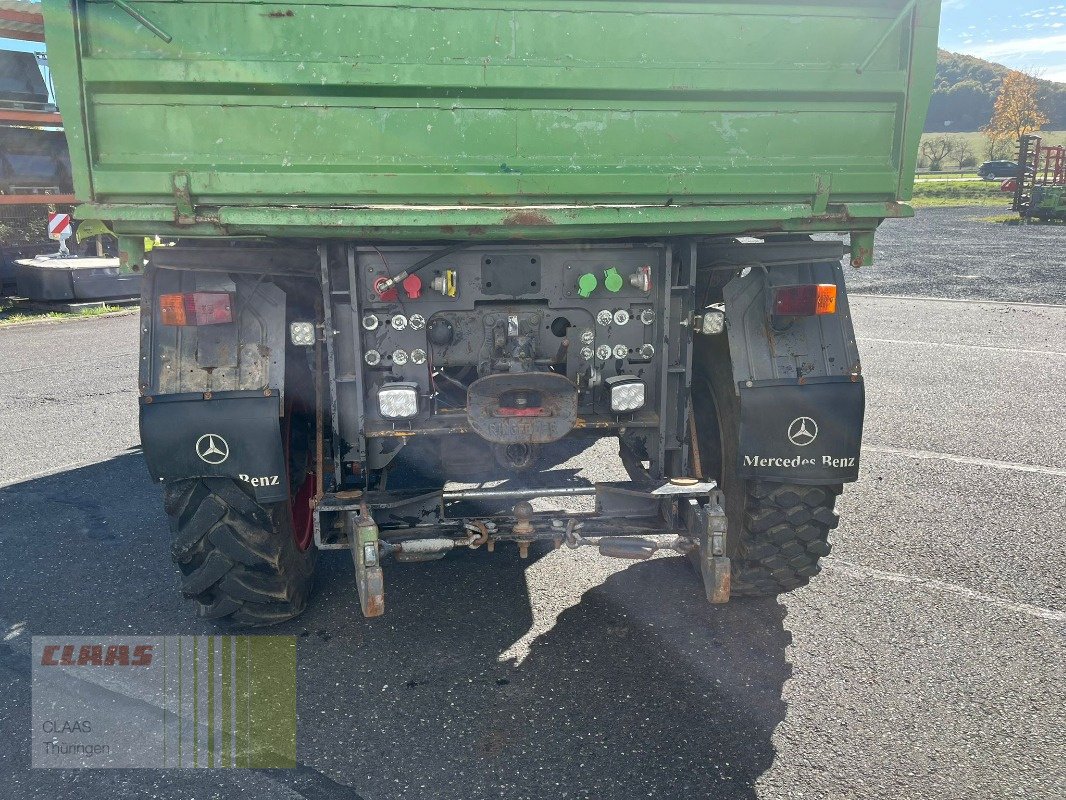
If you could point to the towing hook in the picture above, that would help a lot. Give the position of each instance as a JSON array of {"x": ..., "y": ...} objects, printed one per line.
[
  {"x": 523, "y": 527},
  {"x": 523, "y": 514}
]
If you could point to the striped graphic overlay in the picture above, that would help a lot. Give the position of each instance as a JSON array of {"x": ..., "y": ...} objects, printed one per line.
[{"x": 176, "y": 701}]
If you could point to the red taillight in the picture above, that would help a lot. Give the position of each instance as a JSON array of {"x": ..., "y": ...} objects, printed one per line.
[
  {"x": 196, "y": 308},
  {"x": 806, "y": 300}
]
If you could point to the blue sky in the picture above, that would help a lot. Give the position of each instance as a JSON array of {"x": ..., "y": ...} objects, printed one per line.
[
  {"x": 1024, "y": 34},
  {"x": 15, "y": 44}
]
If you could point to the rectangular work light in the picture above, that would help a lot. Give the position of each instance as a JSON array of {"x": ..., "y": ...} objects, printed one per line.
[
  {"x": 302, "y": 334},
  {"x": 398, "y": 400},
  {"x": 627, "y": 393}
]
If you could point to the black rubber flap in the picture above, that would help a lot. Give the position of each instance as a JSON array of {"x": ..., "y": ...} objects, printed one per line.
[
  {"x": 807, "y": 433},
  {"x": 235, "y": 437}
]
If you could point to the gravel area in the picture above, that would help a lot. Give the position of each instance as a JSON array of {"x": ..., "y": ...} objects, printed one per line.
[{"x": 956, "y": 253}]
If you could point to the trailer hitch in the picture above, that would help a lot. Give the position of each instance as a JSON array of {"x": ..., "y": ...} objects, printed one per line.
[{"x": 690, "y": 521}]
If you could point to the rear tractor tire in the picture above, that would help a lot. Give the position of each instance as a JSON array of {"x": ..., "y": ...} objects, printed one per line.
[
  {"x": 777, "y": 531},
  {"x": 782, "y": 535},
  {"x": 239, "y": 559}
]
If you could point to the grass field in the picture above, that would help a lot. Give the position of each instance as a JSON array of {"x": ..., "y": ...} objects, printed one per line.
[
  {"x": 959, "y": 193},
  {"x": 10, "y": 316}
]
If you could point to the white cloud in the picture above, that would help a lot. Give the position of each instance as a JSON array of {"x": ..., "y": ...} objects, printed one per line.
[
  {"x": 1021, "y": 47},
  {"x": 1056, "y": 73}
]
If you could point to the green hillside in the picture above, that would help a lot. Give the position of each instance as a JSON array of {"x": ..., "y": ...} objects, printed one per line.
[{"x": 964, "y": 91}]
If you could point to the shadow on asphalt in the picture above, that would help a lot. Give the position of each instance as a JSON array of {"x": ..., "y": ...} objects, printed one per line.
[{"x": 639, "y": 689}]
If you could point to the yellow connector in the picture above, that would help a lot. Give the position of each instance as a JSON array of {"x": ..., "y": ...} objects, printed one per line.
[{"x": 446, "y": 284}]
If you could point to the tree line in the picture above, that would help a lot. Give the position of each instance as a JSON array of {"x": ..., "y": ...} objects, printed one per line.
[
  {"x": 1017, "y": 109},
  {"x": 965, "y": 90}
]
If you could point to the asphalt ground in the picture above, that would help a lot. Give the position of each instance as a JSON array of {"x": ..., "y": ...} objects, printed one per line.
[{"x": 926, "y": 661}]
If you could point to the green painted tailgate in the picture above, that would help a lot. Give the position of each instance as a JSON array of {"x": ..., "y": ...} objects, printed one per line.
[{"x": 349, "y": 103}]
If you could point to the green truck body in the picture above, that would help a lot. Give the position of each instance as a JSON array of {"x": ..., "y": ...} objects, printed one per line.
[
  {"x": 456, "y": 242},
  {"x": 494, "y": 119}
]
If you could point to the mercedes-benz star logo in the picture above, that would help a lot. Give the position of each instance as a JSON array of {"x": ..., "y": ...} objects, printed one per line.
[
  {"x": 212, "y": 448},
  {"x": 802, "y": 431}
]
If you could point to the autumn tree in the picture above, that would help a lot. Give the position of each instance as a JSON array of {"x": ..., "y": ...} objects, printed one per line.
[
  {"x": 1016, "y": 111},
  {"x": 935, "y": 149}
]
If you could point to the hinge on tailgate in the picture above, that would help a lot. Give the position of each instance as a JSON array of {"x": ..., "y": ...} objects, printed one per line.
[{"x": 182, "y": 198}]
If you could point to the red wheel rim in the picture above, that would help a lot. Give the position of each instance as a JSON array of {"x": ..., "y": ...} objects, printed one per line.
[
  {"x": 299, "y": 503},
  {"x": 302, "y": 521}
]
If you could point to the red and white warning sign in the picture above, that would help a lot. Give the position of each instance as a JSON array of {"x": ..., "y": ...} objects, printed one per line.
[{"x": 58, "y": 226}]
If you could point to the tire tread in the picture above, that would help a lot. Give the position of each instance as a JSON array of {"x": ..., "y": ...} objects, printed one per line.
[
  {"x": 777, "y": 559},
  {"x": 237, "y": 557}
]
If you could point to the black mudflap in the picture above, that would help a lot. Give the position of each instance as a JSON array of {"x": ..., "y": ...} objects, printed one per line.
[
  {"x": 235, "y": 436},
  {"x": 801, "y": 433}
]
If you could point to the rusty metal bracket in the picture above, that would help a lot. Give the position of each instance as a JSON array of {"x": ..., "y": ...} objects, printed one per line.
[
  {"x": 363, "y": 540},
  {"x": 130, "y": 254},
  {"x": 712, "y": 528},
  {"x": 862, "y": 248},
  {"x": 186, "y": 214}
]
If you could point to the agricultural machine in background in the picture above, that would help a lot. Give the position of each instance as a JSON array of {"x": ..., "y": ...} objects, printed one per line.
[
  {"x": 33, "y": 148},
  {"x": 1040, "y": 188},
  {"x": 34, "y": 159}
]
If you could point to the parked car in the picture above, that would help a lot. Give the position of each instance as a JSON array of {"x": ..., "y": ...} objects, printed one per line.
[{"x": 997, "y": 170}]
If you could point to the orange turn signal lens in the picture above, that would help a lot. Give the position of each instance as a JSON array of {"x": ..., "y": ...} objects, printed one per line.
[
  {"x": 805, "y": 300},
  {"x": 172, "y": 309},
  {"x": 827, "y": 299}
]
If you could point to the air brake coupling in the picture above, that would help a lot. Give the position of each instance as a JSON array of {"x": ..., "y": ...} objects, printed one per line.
[
  {"x": 612, "y": 280},
  {"x": 587, "y": 284}
]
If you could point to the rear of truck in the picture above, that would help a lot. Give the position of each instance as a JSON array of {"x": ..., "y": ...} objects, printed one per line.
[{"x": 424, "y": 252}]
